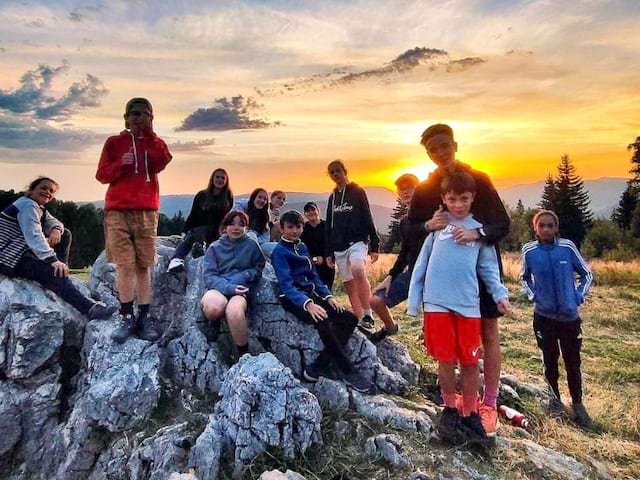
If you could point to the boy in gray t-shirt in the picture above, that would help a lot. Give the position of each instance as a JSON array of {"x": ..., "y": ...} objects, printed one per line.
[{"x": 445, "y": 283}]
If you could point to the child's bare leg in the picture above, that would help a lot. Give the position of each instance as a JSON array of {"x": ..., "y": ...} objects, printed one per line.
[
  {"x": 378, "y": 306},
  {"x": 236, "y": 314},
  {"x": 447, "y": 380},
  {"x": 470, "y": 385},
  {"x": 363, "y": 288},
  {"x": 143, "y": 285},
  {"x": 213, "y": 305},
  {"x": 354, "y": 299},
  {"x": 126, "y": 282}
]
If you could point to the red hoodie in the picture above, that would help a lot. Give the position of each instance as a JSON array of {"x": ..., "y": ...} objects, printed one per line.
[{"x": 134, "y": 186}]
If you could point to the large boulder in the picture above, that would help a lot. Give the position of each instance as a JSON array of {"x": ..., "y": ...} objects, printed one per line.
[{"x": 262, "y": 406}]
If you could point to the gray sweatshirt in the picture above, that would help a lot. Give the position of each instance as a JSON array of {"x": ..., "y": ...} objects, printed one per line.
[{"x": 445, "y": 277}]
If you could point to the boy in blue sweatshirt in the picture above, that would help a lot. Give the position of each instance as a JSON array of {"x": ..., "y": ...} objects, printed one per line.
[
  {"x": 549, "y": 267},
  {"x": 305, "y": 296},
  {"x": 445, "y": 283}
]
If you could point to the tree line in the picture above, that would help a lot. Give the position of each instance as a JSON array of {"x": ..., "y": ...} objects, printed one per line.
[
  {"x": 616, "y": 238},
  {"x": 84, "y": 221}
]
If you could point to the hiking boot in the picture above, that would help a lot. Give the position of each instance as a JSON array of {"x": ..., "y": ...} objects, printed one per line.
[
  {"x": 357, "y": 381},
  {"x": 366, "y": 325},
  {"x": 99, "y": 311},
  {"x": 377, "y": 337},
  {"x": 312, "y": 373},
  {"x": 581, "y": 417},
  {"x": 489, "y": 418},
  {"x": 126, "y": 328},
  {"x": 176, "y": 265},
  {"x": 448, "y": 425},
  {"x": 472, "y": 431},
  {"x": 146, "y": 326},
  {"x": 555, "y": 407}
]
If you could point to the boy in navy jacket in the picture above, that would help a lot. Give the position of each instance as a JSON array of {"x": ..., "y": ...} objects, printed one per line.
[
  {"x": 305, "y": 296},
  {"x": 549, "y": 266}
]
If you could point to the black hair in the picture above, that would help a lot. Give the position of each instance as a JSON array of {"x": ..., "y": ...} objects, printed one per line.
[
  {"x": 407, "y": 179},
  {"x": 291, "y": 216},
  {"x": 310, "y": 206},
  {"x": 258, "y": 217},
  {"x": 458, "y": 182},
  {"x": 433, "y": 130}
]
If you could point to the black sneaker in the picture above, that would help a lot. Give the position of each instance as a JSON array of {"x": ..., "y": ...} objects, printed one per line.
[
  {"x": 366, "y": 325},
  {"x": 448, "y": 425},
  {"x": 176, "y": 265},
  {"x": 555, "y": 407},
  {"x": 581, "y": 417},
  {"x": 312, "y": 373},
  {"x": 357, "y": 381},
  {"x": 472, "y": 431},
  {"x": 198, "y": 250},
  {"x": 377, "y": 337},
  {"x": 99, "y": 311},
  {"x": 126, "y": 328},
  {"x": 147, "y": 328}
]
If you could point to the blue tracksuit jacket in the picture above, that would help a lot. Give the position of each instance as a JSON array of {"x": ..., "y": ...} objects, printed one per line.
[{"x": 548, "y": 278}]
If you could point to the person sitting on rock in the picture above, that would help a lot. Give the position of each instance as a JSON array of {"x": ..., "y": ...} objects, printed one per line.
[
  {"x": 394, "y": 289},
  {"x": 256, "y": 207},
  {"x": 305, "y": 296},
  {"x": 314, "y": 238},
  {"x": 231, "y": 265},
  {"x": 203, "y": 223},
  {"x": 35, "y": 245},
  {"x": 277, "y": 200}
]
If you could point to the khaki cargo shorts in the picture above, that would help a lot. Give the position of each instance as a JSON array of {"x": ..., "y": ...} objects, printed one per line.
[{"x": 130, "y": 237}]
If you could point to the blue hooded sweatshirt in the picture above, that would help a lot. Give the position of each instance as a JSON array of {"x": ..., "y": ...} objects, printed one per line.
[{"x": 548, "y": 278}]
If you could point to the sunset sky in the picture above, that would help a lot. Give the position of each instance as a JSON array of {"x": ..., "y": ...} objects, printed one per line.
[{"x": 274, "y": 90}]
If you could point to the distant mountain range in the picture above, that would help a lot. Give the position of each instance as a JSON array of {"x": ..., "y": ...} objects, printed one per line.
[{"x": 604, "y": 193}]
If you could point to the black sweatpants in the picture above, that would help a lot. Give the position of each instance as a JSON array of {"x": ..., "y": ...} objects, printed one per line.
[
  {"x": 554, "y": 337},
  {"x": 204, "y": 234},
  {"x": 33, "y": 268},
  {"x": 334, "y": 331}
]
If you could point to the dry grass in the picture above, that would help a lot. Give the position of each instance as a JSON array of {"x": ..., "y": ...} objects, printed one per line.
[{"x": 611, "y": 368}]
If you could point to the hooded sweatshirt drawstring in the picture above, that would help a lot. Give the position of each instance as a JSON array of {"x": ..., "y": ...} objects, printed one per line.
[{"x": 135, "y": 156}]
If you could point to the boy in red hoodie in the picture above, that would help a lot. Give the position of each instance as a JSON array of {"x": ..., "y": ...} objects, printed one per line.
[{"x": 130, "y": 163}]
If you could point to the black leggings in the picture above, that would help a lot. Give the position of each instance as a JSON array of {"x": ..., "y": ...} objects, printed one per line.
[
  {"x": 32, "y": 268},
  {"x": 205, "y": 234},
  {"x": 334, "y": 331},
  {"x": 554, "y": 337}
]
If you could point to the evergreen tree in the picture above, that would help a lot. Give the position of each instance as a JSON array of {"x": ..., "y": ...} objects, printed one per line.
[
  {"x": 520, "y": 207},
  {"x": 548, "y": 201},
  {"x": 635, "y": 161},
  {"x": 623, "y": 213},
  {"x": 399, "y": 211},
  {"x": 567, "y": 197}
]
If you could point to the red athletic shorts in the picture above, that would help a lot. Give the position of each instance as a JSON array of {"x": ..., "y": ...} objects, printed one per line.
[{"x": 450, "y": 337}]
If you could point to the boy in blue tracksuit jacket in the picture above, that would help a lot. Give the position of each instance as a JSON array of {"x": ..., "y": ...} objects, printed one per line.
[
  {"x": 305, "y": 296},
  {"x": 549, "y": 267}
]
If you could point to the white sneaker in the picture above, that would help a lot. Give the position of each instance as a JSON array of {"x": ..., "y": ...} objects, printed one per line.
[{"x": 176, "y": 265}]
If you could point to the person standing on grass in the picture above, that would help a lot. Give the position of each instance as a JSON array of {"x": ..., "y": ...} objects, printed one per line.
[
  {"x": 426, "y": 215},
  {"x": 34, "y": 245},
  {"x": 314, "y": 238},
  {"x": 444, "y": 283},
  {"x": 203, "y": 223},
  {"x": 129, "y": 164},
  {"x": 310, "y": 301},
  {"x": 232, "y": 264},
  {"x": 351, "y": 234},
  {"x": 549, "y": 267},
  {"x": 394, "y": 289}
]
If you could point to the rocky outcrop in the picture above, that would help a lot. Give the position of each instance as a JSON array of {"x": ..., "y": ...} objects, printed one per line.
[{"x": 388, "y": 447}]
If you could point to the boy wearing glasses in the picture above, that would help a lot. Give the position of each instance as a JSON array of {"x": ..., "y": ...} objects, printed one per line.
[{"x": 129, "y": 164}]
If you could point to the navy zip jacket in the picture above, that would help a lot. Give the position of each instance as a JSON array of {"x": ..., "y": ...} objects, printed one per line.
[
  {"x": 548, "y": 278},
  {"x": 296, "y": 273}
]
